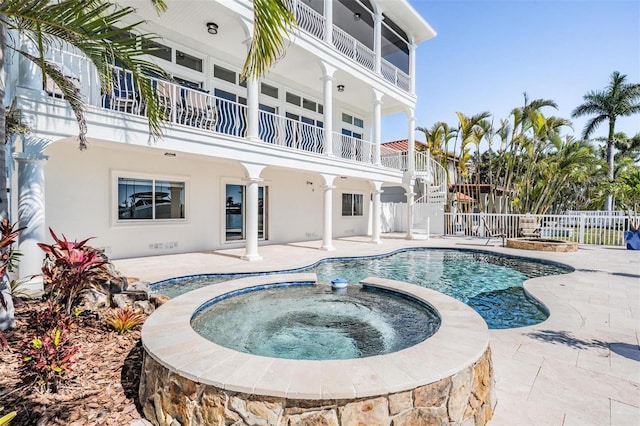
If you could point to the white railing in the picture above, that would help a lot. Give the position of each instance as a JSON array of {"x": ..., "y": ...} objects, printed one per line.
[
  {"x": 290, "y": 133},
  {"x": 352, "y": 148},
  {"x": 396, "y": 76},
  {"x": 393, "y": 158},
  {"x": 580, "y": 228},
  {"x": 308, "y": 19},
  {"x": 352, "y": 48}
]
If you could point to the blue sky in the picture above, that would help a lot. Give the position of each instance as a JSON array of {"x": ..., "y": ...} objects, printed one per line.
[{"x": 487, "y": 53}]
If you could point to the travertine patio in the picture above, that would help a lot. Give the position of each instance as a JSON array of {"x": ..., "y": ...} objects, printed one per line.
[{"x": 581, "y": 366}]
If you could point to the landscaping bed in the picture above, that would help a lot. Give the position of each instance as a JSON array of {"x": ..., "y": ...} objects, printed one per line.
[{"x": 100, "y": 389}]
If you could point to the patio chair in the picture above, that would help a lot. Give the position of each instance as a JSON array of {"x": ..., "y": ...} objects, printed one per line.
[
  {"x": 529, "y": 227},
  {"x": 493, "y": 233}
]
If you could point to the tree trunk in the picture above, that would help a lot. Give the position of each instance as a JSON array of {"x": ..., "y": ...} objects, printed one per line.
[{"x": 612, "y": 126}]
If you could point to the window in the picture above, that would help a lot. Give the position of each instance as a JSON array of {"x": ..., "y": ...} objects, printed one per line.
[
  {"x": 150, "y": 199},
  {"x": 347, "y": 118},
  {"x": 306, "y": 103},
  {"x": 158, "y": 50},
  {"x": 358, "y": 122},
  {"x": 224, "y": 74},
  {"x": 188, "y": 61},
  {"x": 235, "y": 212},
  {"x": 352, "y": 204},
  {"x": 269, "y": 90},
  {"x": 293, "y": 99}
]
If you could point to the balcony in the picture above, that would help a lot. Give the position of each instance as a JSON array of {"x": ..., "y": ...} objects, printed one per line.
[
  {"x": 313, "y": 23},
  {"x": 196, "y": 108}
]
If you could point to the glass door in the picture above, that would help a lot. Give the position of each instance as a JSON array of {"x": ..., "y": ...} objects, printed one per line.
[{"x": 235, "y": 217}]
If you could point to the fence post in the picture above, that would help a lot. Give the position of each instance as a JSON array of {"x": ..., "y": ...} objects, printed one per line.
[
  {"x": 481, "y": 222},
  {"x": 581, "y": 228}
]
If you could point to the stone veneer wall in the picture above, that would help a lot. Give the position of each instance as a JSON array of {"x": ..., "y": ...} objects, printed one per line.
[{"x": 466, "y": 398}]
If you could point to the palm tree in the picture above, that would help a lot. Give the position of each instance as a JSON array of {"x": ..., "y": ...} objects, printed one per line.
[
  {"x": 618, "y": 99},
  {"x": 95, "y": 27}
]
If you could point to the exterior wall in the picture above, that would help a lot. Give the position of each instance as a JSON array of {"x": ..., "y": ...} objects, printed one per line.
[
  {"x": 81, "y": 188},
  {"x": 345, "y": 226}
]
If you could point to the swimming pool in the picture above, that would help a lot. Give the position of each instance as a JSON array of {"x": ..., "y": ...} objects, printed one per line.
[{"x": 490, "y": 283}]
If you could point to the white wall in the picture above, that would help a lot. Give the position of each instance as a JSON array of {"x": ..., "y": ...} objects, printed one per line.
[
  {"x": 345, "y": 226},
  {"x": 80, "y": 199},
  {"x": 81, "y": 189}
]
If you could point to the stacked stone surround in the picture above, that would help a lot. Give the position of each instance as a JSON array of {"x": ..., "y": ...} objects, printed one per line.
[
  {"x": 188, "y": 380},
  {"x": 465, "y": 398}
]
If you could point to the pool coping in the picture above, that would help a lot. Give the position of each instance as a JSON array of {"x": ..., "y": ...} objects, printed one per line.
[{"x": 168, "y": 338}]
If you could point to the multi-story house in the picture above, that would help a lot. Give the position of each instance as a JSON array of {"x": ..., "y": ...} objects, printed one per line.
[{"x": 293, "y": 156}]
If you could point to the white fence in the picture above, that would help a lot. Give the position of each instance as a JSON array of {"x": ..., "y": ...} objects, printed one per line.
[{"x": 580, "y": 228}]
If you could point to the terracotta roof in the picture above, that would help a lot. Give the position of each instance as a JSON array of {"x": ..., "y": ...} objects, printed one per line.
[
  {"x": 400, "y": 145},
  {"x": 403, "y": 146}
]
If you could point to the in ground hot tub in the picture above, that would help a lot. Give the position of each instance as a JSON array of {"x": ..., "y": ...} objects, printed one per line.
[{"x": 441, "y": 371}]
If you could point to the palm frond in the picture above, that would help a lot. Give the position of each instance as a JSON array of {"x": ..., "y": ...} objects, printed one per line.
[{"x": 272, "y": 23}]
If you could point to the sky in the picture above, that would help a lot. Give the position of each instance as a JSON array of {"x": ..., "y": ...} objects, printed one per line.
[{"x": 487, "y": 53}]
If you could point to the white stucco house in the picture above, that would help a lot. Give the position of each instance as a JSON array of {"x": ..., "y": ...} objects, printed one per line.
[{"x": 294, "y": 156}]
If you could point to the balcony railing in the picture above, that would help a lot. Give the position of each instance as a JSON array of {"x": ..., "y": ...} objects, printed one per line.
[
  {"x": 391, "y": 73},
  {"x": 352, "y": 48},
  {"x": 308, "y": 19},
  {"x": 196, "y": 108},
  {"x": 351, "y": 148},
  {"x": 313, "y": 23}
]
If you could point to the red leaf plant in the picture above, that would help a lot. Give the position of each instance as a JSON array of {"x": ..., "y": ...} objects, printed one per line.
[
  {"x": 69, "y": 267},
  {"x": 47, "y": 357}
]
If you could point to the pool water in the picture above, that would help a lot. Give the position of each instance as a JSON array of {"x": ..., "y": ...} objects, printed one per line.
[
  {"x": 489, "y": 283},
  {"x": 314, "y": 322}
]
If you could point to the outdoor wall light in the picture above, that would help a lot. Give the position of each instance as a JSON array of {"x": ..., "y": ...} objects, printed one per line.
[
  {"x": 212, "y": 28},
  {"x": 356, "y": 16},
  {"x": 340, "y": 87}
]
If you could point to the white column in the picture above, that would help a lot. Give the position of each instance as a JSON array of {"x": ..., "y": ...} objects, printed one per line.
[
  {"x": 327, "y": 80},
  {"x": 411, "y": 141},
  {"x": 410, "y": 200},
  {"x": 376, "y": 223},
  {"x": 31, "y": 214},
  {"x": 251, "y": 199},
  {"x": 327, "y": 224},
  {"x": 253, "y": 111},
  {"x": 253, "y": 100},
  {"x": 377, "y": 125},
  {"x": 412, "y": 68},
  {"x": 328, "y": 21},
  {"x": 29, "y": 75},
  {"x": 377, "y": 40}
]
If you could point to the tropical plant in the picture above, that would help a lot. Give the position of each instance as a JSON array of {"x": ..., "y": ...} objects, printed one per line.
[
  {"x": 627, "y": 193},
  {"x": 47, "y": 358},
  {"x": 272, "y": 22},
  {"x": 68, "y": 268},
  {"x": 94, "y": 27},
  {"x": 618, "y": 99},
  {"x": 8, "y": 260},
  {"x": 124, "y": 319}
]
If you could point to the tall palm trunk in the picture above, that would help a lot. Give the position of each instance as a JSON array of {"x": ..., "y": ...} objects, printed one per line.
[{"x": 610, "y": 142}]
